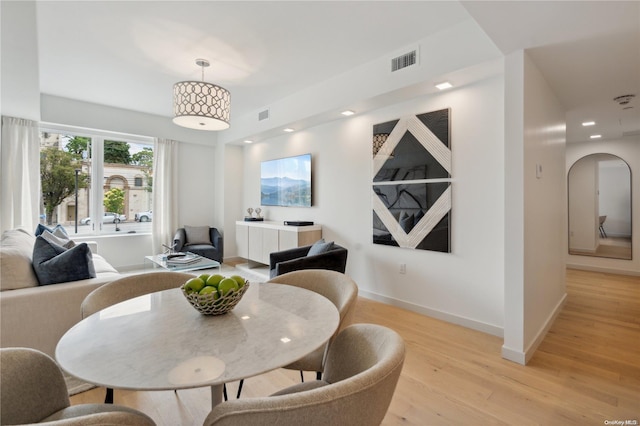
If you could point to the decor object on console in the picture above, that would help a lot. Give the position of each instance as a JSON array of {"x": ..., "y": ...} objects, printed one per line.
[
  {"x": 250, "y": 218},
  {"x": 355, "y": 389},
  {"x": 411, "y": 189},
  {"x": 201, "y": 105},
  {"x": 202, "y": 240},
  {"x": 320, "y": 255},
  {"x": 33, "y": 390}
]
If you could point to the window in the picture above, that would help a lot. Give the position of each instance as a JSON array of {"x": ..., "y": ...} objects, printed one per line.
[{"x": 95, "y": 183}]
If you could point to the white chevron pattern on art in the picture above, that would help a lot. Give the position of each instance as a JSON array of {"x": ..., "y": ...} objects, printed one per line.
[
  {"x": 431, "y": 143},
  {"x": 392, "y": 141},
  {"x": 432, "y": 217}
]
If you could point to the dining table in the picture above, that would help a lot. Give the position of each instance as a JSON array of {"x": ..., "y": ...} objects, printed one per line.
[{"x": 159, "y": 341}]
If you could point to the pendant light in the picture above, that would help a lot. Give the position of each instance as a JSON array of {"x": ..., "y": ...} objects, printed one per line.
[{"x": 201, "y": 105}]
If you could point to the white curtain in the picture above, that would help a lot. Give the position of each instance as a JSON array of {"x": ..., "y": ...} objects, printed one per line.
[
  {"x": 20, "y": 173},
  {"x": 165, "y": 193}
]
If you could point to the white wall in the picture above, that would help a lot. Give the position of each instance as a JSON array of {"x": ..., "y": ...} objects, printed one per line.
[
  {"x": 629, "y": 150},
  {"x": 465, "y": 286},
  {"x": 536, "y": 207},
  {"x": 19, "y": 56}
]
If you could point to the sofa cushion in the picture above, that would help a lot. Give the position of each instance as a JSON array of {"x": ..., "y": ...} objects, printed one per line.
[
  {"x": 56, "y": 230},
  {"x": 320, "y": 247},
  {"x": 58, "y": 238},
  {"x": 55, "y": 264},
  {"x": 197, "y": 235},
  {"x": 16, "y": 249}
]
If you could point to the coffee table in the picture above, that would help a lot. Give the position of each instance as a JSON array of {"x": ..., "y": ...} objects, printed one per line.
[
  {"x": 203, "y": 263},
  {"x": 160, "y": 342}
]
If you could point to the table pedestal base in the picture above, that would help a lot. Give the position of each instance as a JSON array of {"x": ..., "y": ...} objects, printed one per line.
[{"x": 216, "y": 395}]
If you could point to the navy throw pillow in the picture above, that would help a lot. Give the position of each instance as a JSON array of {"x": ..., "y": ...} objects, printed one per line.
[
  {"x": 54, "y": 264},
  {"x": 320, "y": 247}
]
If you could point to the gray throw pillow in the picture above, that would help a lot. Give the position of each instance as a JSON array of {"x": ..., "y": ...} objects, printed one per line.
[
  {"x": 54, "y": 264},
  {"x": 55, "y": 230},
  {"x": 58, "y": 238},
  {"x": 320, "y": 247},
  {"x": 197, "y": 235}
]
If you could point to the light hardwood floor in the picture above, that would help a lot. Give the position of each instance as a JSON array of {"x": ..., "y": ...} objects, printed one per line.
[{"x": 585, "y": 372}]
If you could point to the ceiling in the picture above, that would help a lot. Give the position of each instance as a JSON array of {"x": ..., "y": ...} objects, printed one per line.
[{"x": 129, "y": 54}]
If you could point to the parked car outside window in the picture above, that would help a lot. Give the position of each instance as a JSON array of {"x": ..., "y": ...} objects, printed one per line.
[
  {"x": 144, "y": 216},
  {"x": 108, "y": 217}
]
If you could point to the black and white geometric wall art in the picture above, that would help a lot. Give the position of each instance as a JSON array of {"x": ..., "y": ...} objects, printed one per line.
[{"x": 411, "y": 189}]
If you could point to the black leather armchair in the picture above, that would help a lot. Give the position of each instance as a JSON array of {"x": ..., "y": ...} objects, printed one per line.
[
  {"x": 294, "y": 259},
  {"x": 214, "y": 251}
]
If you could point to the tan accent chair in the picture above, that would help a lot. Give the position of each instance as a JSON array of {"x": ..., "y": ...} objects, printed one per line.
[
  {"x": 360, "y": 376},
  {"x": 32, "y": 390},
  {"x": 127, "y": 288},
  {"x": 340, "y": 289}
]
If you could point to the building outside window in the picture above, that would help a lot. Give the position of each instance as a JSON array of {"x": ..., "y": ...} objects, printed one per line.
[{"x": 95, "y": 183}]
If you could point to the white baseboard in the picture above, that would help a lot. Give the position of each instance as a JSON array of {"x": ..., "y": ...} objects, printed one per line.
[
  {"x": 607, "y": 270},
  {"x": 524, "y": 357},
  {"x": 444, "y": 316}
]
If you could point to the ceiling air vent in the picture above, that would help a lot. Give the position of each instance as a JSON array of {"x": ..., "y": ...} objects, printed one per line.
[
  {"x": 263, "y": 115},
  {"x": 404, "y": 61},
  {"x": 631, "y": 133}
]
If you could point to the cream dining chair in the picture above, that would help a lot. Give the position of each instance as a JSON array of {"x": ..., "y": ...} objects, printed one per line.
[
  {"x": 360, "y": 376},
  {"x": 33, "y": 391},
  {"x": 340, "y": 289},
  {"x": 127, "y": 288}
]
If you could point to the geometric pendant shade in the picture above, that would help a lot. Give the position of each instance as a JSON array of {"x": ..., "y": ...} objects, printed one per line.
[{"x": 201, "y": 105}]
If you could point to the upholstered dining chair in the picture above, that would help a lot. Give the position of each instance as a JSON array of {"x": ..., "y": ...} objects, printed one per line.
[
  {"x": 340, "y": 289},
  {"x": 127, "y": 288},
  {"x": 33, "y": 391},
  {"x": 361, "y": 373}
]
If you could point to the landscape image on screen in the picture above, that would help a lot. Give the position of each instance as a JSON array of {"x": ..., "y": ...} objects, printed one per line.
[{"x": 286, "y": 182}]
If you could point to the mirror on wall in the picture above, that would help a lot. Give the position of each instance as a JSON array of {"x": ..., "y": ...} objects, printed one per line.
[{"x": 599, "y": 190}]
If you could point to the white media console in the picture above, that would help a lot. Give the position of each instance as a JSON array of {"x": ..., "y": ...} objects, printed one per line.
[{"x": 255, "y": 240}]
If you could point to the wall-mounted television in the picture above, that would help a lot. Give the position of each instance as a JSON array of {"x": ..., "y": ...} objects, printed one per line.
[{"x": 286, "y": 181}]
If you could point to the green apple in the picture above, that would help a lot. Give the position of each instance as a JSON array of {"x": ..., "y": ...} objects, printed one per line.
[
  {"x": 209, "y": 289},
  {"x": 214, "y": 279},
  {"x": 226, "y": 286},
  {"x": 237, "y": 278},
  {"x": 193, "y": 285},
  {"x": 204, "y": 277}
]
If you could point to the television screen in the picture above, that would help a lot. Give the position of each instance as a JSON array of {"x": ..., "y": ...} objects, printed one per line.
[{"x": 286, "y": 182}]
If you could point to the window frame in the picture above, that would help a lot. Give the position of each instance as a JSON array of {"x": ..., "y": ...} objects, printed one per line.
[{"x": 98, "y": 137}]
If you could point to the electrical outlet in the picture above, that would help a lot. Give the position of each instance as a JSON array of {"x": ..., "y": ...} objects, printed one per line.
[{"x": 403, "y": 268}]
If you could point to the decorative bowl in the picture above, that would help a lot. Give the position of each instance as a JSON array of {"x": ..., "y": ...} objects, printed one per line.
[{"x": 207, "y": 304}]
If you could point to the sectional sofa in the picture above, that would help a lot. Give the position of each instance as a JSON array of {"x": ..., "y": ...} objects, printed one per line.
[{"x": 34, "y": 315}]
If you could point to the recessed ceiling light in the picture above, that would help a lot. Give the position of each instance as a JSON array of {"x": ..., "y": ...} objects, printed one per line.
[
  {"x": 445, "y": 85},
  {"x": 248, "y": 141},
  {"x": 589, "y": 123},
  {"x": 288, "y": 130},
  {"x": 595, "y": 136},
  {"x": 347, "y": 112}
]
